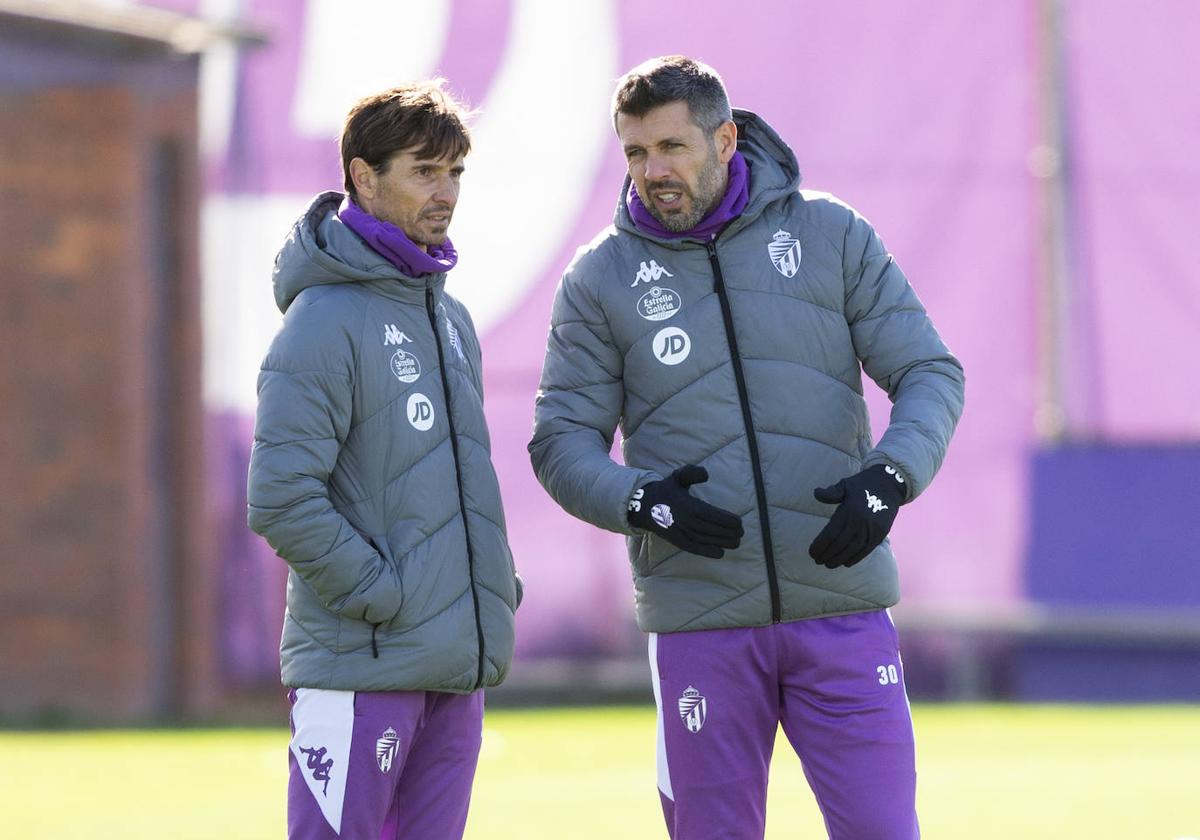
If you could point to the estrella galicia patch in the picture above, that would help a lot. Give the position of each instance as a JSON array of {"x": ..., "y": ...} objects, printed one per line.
[
  {"x": 405, "y": 366},
  {"x": 659, "y": 304}
]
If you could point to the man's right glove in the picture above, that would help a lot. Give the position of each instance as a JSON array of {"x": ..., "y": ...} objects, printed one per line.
[{"x": 667, "y": 508}]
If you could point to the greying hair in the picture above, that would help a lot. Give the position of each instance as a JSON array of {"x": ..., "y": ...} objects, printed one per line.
[{"x": 673, "y": 78}]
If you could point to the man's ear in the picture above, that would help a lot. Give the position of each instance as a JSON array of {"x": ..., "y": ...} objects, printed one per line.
[
  {"x": 726, "y": 141},
  {"x": 363, "y": 176}
]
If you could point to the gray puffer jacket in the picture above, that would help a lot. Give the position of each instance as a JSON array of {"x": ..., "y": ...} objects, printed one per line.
[
  {"x": 371, "y": 475},
  {"x": 743, "y": 355}
]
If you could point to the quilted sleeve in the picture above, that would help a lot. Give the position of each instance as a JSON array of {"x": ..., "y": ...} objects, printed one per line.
[
  {"x": 902, "y": 352},
  {"x": 578, "y": 407},
  {"x": 305, "y": 390}
]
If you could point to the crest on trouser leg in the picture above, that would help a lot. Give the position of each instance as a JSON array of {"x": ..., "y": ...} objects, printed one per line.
[
  {"x": 693, "y": 709},
  {"x": 385, "y": 749}
]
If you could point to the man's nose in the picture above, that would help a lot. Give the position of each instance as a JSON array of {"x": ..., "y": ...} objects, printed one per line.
[
  {"x": 446, "y": 192},
  {"x": 657, "y": 168}
]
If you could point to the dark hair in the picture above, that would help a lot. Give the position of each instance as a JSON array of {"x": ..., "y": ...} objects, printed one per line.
[
  {"x": 673, "y": 78},
  {"x": 419, "y": 116}
]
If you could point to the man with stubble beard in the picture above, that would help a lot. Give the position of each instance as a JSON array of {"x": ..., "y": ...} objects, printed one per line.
[
  {"x": 723, "y": 322},
  {"x": 371, "y": 477}
]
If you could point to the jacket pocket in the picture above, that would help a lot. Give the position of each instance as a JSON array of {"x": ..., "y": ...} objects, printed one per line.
[
  {"x": 375, "y": 632},
  {"x": 651, "y": 552}
]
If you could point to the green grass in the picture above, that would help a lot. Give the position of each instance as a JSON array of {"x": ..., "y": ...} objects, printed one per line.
[{"x": 1066, "y": 773}]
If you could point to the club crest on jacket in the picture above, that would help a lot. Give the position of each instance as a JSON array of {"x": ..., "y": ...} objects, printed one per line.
[{"x": 784, "y": 251}]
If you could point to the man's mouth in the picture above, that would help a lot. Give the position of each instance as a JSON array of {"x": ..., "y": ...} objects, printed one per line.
[{"x": 668, "y": 198}]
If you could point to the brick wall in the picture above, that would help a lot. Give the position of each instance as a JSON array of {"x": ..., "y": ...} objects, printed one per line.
[{"x": 106, "y": 595}]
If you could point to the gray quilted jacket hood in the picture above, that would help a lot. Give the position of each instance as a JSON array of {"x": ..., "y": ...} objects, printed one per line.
[
  {"x": 649, "y": 334},
  {"x": 371, "y": 475}
]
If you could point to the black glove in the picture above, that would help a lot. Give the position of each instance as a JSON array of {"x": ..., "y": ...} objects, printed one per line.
[
  {"x": 867, "y": 505},
  {"x": 667, "y": 508}
]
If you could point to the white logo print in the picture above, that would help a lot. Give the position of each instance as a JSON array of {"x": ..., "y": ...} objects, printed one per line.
[
  {"x": 784, "y": 251},
  {"x": 386, "y": 748},
  {"x": 452, "y": 331},
  {"x": 894, "y": 473},
  {"x": 658, "y": 304},
  {"x": 649, "y": 273},
  {"x": 420, "y": 412},
  {"x": 873, "y": 503},
  {"x": 662, "y": 515},
  {"x": 693, "y": 709},
  {"x": 392, "y": 335},
  {"x": 635, "y": 501},
  {"x": 671, "y": 345},
  {"x": 405, "y": 366}
]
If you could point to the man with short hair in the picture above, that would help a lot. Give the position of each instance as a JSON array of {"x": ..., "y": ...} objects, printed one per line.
[
  {"x": 721, "y": 322},
  {"x": 371, "y": 476}
]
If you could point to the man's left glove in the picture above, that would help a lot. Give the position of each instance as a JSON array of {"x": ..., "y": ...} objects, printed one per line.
[{"x": 867, "y": 505}]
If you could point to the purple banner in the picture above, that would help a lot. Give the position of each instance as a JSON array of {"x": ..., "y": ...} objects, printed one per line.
[{"x": 922, "y": 118}]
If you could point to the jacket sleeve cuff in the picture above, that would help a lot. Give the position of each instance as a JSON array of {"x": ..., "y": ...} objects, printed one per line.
[{"x": 877, "y": 457}]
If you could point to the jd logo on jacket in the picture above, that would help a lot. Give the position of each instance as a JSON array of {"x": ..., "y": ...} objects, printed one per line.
[
  {"x": 420, "y": 412},
  {"x": 671, "y": 345}
]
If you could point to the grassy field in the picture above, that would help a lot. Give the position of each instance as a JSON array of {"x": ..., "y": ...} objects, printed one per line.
[{"x": 1060, "y": 773}]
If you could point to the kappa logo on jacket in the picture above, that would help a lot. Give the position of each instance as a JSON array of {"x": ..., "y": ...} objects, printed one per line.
[
  {"x": 649, "y": 273},
  {"x": 392, "y": 335},
  {"x": 784, "y": 250}
]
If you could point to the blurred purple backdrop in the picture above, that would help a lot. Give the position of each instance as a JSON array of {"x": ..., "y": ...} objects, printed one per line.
[{"x": 924, "y": 116}]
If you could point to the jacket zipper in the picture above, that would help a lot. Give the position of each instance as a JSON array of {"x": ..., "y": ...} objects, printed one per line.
[
  {"x": 462, "y": 501},
  {"x": 760, "y": 489}
]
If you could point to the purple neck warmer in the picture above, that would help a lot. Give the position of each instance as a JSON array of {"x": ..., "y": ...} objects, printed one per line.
[
  {"x": 737, "y": 196},
  {"x": 394, "y": 246}
]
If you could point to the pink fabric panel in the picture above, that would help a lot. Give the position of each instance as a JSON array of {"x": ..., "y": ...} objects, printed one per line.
[{"x": 1132, "y": 76}]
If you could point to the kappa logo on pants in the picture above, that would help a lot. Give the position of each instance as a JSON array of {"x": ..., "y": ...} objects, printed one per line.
[
  {"x": 320, "y": 766},
  {"x": 693, "y": 709}
]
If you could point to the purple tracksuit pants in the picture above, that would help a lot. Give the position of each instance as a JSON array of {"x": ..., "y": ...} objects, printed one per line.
[
  {"x": 837, "y": 687},
  {"x": 382, "y": 765}
]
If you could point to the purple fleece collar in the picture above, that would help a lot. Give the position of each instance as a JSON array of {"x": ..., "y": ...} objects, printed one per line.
[
  {"x": 394, "y": 246},
  {"x": 737, "y": 196}
]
